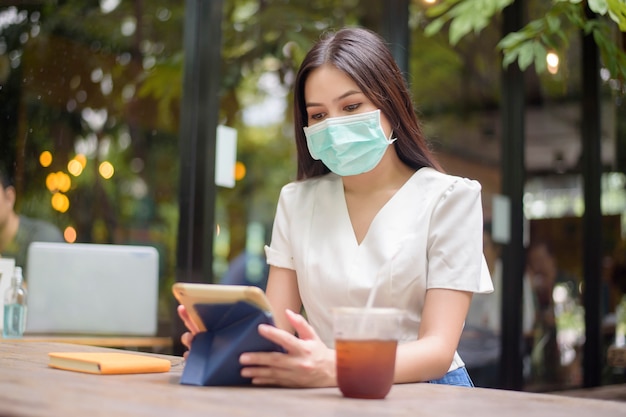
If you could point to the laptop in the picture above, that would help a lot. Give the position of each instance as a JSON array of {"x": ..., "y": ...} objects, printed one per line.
[{"x": 92, "y": 289}]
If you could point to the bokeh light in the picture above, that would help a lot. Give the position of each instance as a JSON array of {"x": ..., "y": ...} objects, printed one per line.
[
  {"x": 60, "y": 202},
  {"x": 51, "y": 182},
  {"x": 74, "y": 167},
  {"x": 552, "y": 59},
  {"x": 58, "y": 181},
  {"x": 82, "y": 159},
  {"x": 45, "y": 159},
  {"x": 106, "y": 170},
  {"x": 240, "y": 171},
  {"x": 69, "y": 234}
]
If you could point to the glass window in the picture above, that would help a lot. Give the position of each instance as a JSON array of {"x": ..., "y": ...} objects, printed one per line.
[{"x": 89, "y": 97}]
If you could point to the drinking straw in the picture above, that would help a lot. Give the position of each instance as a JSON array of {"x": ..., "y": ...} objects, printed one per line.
[{"x": 372, "y": 295}]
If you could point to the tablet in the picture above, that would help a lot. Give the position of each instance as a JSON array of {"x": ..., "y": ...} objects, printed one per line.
[{"x": 190, "y": 294}]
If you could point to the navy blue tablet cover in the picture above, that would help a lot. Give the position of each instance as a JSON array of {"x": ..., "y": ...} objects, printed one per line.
[{"x": 231, "y": 330}]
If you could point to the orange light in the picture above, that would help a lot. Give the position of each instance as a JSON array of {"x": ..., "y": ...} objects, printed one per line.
[
  {"x": 45, "y": 159},
  {"x": 58, "y": 181},
  {"x": 64, "y": 181},
  {"x": 52, "y": 183},
  {"x": 60, "y": 202},
  {"x": 240, "y": 171},
  {"x": 69, "y": 234},
  {"x": 82, "y": 159}
]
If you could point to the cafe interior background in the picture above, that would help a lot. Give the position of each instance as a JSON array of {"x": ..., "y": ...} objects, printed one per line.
[{"x": 92, "y": 105}]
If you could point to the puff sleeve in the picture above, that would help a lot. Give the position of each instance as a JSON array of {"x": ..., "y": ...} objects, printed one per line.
[{"x": 455, "y": 251}]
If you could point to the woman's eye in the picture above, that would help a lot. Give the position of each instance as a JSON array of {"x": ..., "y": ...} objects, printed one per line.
[
  {"x": 352, "y": 107},
  {"x": 317, "y": 116}
]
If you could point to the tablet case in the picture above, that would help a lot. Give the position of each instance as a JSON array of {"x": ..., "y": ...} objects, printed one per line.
[{"x": 232, "y": 329}]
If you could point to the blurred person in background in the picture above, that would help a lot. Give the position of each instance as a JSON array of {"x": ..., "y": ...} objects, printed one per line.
[
  {"x": 559, "y": 319},
  {"x": 480, "y": 344},
  {"x": 18, "y": 231}
]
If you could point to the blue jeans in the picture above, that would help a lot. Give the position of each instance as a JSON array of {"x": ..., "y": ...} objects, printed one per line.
[{"x": 458, "y": 377}]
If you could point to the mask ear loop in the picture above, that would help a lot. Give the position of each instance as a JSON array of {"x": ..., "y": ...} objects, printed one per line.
[
  {"x": 391, "y": 139},
  {"x": 397, "y": 128}
]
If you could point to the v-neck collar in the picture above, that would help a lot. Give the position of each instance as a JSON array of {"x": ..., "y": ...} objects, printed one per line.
[{"x": 346, "y": 214}]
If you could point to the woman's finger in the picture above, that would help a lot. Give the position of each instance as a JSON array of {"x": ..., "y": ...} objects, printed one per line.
[
  {"x": 186, "y": 339},
  {"x": 288, "y": 341},
  {"x": 184, "y": 315},
  {"x": 301, "y": 326},
  {"x": 282, "y": 338}
]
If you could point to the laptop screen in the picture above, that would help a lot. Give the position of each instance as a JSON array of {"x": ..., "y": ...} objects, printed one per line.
[{"x": 92, "y": 289}]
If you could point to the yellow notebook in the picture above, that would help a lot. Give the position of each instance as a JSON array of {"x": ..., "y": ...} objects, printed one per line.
[{"x": 108, "y": 362}]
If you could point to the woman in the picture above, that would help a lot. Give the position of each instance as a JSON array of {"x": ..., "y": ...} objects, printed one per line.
[{"x": 371, "y": 207}]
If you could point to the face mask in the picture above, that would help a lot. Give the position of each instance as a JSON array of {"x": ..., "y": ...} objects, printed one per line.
[{"x": 348, "y": 145}]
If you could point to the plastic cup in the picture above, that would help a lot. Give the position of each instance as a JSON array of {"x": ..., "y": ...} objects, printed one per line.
[{"x": 366, "y": 340}]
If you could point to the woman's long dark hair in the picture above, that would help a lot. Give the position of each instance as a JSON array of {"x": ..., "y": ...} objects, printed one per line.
[{"x": 363, "y": 56}]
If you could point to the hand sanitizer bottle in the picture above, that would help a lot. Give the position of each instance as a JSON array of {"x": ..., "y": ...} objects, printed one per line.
[{"x": 15, "y": 307}]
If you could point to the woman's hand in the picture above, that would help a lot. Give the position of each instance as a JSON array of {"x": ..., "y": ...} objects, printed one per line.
[
  {"x": 187, "y": 337},
  {"x": 306, "y": 363}
]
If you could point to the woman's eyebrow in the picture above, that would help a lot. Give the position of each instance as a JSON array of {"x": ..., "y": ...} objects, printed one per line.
[
  {"x": 347, "y": 94},
  {"x": 344, "y": 95}
]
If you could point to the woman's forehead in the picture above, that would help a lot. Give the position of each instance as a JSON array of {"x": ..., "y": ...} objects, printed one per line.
[{"x": 328, "y": 82}]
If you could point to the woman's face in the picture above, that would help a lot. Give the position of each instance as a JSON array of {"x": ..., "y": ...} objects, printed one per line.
[
  {"x": 328, "y": 92},
  {"x": 7, "y": 201}
]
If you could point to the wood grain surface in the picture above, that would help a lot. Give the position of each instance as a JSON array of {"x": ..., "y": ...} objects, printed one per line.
[
  {"x": 156, "y": 343},
  {"x": 28, "y": 387}
]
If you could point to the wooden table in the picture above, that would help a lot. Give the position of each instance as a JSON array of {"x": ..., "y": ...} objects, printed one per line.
[
  {"x": 28, "y": 387},
  {"x": 155, "y": 344}
]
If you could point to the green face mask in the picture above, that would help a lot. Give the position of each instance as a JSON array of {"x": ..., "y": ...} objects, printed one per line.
[{"x": 348, "y": 145}]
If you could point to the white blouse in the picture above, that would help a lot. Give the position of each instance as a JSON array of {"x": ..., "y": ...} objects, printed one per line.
[{"x": 428, "y": 235}]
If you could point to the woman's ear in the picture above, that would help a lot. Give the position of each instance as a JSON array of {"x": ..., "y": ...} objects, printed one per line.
[{"x": 10, "y": 195}]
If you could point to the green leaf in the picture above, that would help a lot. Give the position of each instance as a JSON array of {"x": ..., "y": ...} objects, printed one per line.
[
  {"x": 512, "y": 40},
  {"x": 534, "y": 26},
  {"x": 590, "y": 26},
  {"x": 509, "y": 57},
  {"x": 548, "y": 42},
  {"x": 441, "y": 8},
  {"x": 598, "y": 6},
  {"x": 617, "y": 13},
  {"x": 526, "y": 55},
  {"x": 501, "y": 4},
  {"x": 434, "y": 27},
  {"x": 465, "y": 16},
  {"x": 563, "y": 37},
  {"x": 575, "y": 14},
  {"x": 553, "y": 23},
  {"x": 540, "y": 57},
  {"x": 460, "y": 27},
  {"x": 553, "y": 30}
]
